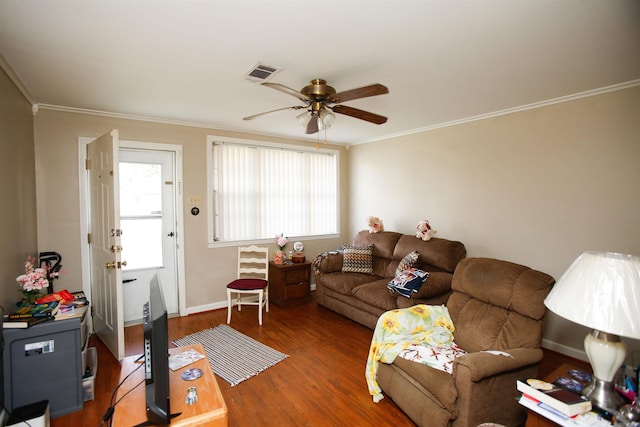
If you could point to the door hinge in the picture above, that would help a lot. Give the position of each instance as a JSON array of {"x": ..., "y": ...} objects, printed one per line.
[
  {"x": 87, "y": 164},
  {"x": 89, "y": 238}
]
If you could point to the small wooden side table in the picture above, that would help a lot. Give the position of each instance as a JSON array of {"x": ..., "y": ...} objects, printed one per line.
[{"x": 289, "y": 283}]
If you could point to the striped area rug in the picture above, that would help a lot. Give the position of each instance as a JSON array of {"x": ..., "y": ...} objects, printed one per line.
[{"x": 233, "y": 356}]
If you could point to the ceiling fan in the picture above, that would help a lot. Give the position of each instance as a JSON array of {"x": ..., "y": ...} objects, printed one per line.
[{"x": 318, "y": 98}]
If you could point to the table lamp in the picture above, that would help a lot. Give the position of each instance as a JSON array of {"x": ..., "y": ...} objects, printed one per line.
[{"x": 601, "y": 290}]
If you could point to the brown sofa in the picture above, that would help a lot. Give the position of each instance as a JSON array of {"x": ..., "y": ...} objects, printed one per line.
[
  {"x": 495, "y": 305},
  {"x": 364, "y": 297}
]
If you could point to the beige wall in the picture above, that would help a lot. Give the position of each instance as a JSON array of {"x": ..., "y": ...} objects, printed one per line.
[
  {"x": 17, "y": 191},
  {"x": 207, "y": 271},
  {"x": 537, "y": 187}
]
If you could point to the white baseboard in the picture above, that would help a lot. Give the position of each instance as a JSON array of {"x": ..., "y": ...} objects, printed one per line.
[
  {"x": 220, "y": 304},
  {"x": 206, "y": 307},
  {"x": 566, "y": 350}
]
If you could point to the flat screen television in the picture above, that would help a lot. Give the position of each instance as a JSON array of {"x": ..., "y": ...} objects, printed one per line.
[{"x": 156, "y": 356}]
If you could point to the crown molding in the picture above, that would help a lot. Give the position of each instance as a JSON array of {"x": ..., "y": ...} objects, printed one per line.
[
  {"x": 533, "y": 106},
  {"x": 16, "y": 81}
]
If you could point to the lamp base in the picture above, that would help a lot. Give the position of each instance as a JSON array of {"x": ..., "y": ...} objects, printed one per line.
[
  {"x": 606, "y": 352},
  {"x": 602, "y": 394}
]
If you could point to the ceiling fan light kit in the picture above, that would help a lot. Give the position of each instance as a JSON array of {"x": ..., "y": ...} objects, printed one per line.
[
  {"x": 326, "y": 118},
  {"x": 318, "y": 98}
]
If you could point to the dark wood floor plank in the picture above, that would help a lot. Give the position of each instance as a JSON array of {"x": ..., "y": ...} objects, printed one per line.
[{"x": 321, "y": 383}]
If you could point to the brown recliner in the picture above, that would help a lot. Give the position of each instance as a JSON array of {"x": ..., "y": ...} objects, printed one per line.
[{"x": 495, "y": 305}]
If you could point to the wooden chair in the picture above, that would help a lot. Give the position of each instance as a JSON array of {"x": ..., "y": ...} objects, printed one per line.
[{"x": 253, "y": 276}]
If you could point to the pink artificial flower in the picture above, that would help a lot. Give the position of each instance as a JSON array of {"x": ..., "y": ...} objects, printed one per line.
[
  {"x": 34, "y": 279},
  {"x": 281, "y": 241}
]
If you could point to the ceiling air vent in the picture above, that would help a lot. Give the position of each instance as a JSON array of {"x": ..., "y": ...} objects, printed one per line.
[{"x": 261, "y": 73}]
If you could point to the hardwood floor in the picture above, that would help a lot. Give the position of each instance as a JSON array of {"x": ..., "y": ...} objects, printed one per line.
[{"x": 321, "y": 383}]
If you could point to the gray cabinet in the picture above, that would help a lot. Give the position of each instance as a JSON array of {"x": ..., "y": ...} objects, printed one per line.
[{"x": 44, "y": 362}]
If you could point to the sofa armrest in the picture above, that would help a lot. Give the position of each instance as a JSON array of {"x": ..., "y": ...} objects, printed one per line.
[
  {"x": 482, "y": 379},
  {"x": 483, "y": 364},
  {"x": 327, "y": 262}
]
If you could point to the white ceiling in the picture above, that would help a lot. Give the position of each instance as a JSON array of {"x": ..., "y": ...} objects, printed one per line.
[{"x": 443, "y": 61}]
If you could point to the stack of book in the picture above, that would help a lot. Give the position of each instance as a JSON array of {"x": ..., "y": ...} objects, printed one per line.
[
  {"x": 75, "y": 307},
  {"x": 56, "y": 306},
  {"x": 30, "y": 315},
  {"x": 557, "y": 404},
  {"x": 556, "y": 398}
]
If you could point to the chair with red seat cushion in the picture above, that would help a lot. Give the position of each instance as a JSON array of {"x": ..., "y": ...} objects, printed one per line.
[{"x": 253, "y": 274}]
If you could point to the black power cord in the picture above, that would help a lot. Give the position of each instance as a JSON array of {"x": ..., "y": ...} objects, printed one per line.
[{"x": 108, "y": 415}]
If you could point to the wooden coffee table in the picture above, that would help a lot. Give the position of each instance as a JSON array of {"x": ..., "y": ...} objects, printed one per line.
[{"x": 210, "y": 410}]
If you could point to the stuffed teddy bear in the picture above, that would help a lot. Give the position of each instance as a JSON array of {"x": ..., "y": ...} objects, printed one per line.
[
  {"x": 425, "y": 232},
  {"x": 375, "y": 224}
]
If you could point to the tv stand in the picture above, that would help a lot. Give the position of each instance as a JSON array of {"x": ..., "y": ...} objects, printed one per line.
[
  {"x": 209, "y": 410},
  {"x": 149, "y": 423}
]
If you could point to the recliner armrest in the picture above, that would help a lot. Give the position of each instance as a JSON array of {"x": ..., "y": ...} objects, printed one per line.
[{"x": 483, "y": 364}]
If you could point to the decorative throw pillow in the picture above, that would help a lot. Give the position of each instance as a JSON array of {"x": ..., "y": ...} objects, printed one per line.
[
  {"x": 408, "y": 282},
  {"x": 407, "y": 262},
  {"x": 357, "y": 259}
]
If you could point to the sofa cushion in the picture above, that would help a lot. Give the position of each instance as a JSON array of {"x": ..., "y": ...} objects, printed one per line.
[
  {"x": 435, "y": 300},
  {"x": 407, "y": 262},
  {"x": 384, "y": 243},
  {"x": 442, "y": 254},
  {"x": 438, "y": 283},
  {"x": 357, "y": 259},
  {"x": 344, "y": 283},
  {"x": 499, "y": 302},
  {"x": 376, "y": 294}
]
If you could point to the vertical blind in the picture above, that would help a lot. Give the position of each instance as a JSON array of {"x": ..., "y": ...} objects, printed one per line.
[{"x": 262, "y": 191}]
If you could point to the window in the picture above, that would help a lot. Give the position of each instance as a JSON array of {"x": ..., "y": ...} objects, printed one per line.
[
  {"x": 141, "y": 214},
  {"x": 258, "y": 190}
]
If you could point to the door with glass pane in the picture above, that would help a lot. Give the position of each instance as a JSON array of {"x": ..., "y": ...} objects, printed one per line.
[{"x": 148, "y": 223}]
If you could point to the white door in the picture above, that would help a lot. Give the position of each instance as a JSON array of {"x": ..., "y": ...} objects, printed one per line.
[
  {"x": 104, "y": 228},
  {"x": 149, "y": 228}
]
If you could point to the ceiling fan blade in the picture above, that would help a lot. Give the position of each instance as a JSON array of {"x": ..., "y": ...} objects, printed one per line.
[
  {"x": 287, "y": 90},
  {"x": 312, "y": 126},
  {"x": 359, "y": 114},
  {"x": 296, "y": 107},
  {"x": 362, "y": 92}
]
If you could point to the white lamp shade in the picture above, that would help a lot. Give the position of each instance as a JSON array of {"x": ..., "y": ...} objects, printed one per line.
[{"x": 600, "y": 290}]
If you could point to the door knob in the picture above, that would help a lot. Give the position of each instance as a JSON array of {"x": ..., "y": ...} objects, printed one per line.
[
  {"x": 114, "y": 264},
  {"x": 170, "y": 234}
]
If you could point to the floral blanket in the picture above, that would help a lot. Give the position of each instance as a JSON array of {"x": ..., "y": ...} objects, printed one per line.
[{"x": 397, "y": 330}]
